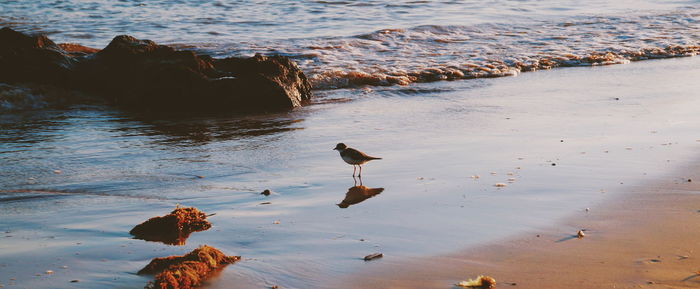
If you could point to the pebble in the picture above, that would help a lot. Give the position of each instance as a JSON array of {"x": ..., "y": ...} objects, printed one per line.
[
  {"x": 74, "y": 281},
  {"x": 266, "y": 192},
  {"x": 373, "y": 256},
  {"x": 580, "y": 234},
  {"x": 276, "y": 222},
  {"x": 57, "y": 171},
  {"x": 49, "y": 272},
  {"x": 500, "y": 185}
]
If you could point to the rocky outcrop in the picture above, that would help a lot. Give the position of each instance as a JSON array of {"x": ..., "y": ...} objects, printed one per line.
[
  {"x": 142, "y": 74},
  {"x": 25, "y": 58}
]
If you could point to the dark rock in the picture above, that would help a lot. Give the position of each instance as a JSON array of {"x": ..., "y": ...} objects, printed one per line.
[
  {"x": 25, "y": 58},
  {"x": 142, "y": 74}
]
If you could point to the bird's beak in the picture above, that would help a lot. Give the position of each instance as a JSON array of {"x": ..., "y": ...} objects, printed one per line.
[{"x": 335, "y": 149}]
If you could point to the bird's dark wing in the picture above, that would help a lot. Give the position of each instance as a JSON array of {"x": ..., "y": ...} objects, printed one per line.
[{"x": 358, "y": 155}]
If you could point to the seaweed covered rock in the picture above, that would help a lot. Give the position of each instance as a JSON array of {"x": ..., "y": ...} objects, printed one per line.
[
  {"x": 143, "y": 75},
  {"x": 173, "y": 228},
  {"x": 188, "y": 271}
]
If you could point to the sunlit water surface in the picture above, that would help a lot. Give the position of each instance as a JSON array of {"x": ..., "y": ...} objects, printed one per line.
[{"x": 343, "y": 44}]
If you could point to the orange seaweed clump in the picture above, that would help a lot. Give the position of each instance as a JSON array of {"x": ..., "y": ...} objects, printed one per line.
[
  {"x": 77, "y": 48},
  {"x": 173, "y": 228},
  {"x": 481, "y": 282},
  {"x": 187, "y": 271}
]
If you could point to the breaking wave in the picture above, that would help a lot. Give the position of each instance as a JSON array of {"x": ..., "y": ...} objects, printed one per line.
[{"x": 433, "y": 53}]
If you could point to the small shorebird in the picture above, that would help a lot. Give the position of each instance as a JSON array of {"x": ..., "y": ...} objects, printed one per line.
[{"x": 353, "y": 157}]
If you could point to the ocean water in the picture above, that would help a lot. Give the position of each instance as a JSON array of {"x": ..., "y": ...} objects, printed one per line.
[
  {"x": 353, "y": 43},
  {"x": 76, "y": 178}
]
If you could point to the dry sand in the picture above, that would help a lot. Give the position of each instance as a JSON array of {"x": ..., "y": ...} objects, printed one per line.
[{"x": 648, "y": 237}]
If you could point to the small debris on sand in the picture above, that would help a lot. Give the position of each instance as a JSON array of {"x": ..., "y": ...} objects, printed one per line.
[
  {"x": 276, "y": 222},
  {"x": 173, "y": 228},
  {"x": 57, "y": 172},
  {"x": 475, "y": 177},
  {"x": 74, "y": 281},
  {"x": 49, "y": 272},
  {"x": 188, "y": 271},
  {"x": 373, "y": 256},
  {"x": 554, "y": 164},
  {"x": 266, "y": 203},
  {"x": 580, "y": 234},
  {"x": 481, "y": 282},
  {"x": 690, "y": 180},
  {"x": 500, "y": 185},
  {"x": 266, "y": 192}
]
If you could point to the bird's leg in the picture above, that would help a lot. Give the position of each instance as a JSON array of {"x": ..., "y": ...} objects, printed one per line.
[
  {"x": 353, "y": 170},
  {"x": 360, "y": 174}
]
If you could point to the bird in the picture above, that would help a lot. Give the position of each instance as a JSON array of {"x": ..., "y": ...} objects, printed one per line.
[{"x": 353, "y": 157}]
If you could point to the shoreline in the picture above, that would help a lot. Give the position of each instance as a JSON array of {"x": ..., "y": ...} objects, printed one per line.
[
  {"x": 618, "y": 131},
  {"x": 643, "y": 238}
]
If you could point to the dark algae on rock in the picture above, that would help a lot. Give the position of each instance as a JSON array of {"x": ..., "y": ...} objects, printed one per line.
[
  {"x": 173, "y": 228},
  {"x": 141, "y": 74}
]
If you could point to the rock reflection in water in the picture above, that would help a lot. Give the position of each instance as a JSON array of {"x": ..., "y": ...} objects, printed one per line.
[{"x": 198, "y": 130}]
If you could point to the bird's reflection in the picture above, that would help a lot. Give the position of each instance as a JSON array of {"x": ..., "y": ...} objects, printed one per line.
[{"x": 358, "y": 193}]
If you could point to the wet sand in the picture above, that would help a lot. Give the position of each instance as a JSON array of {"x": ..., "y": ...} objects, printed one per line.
[
  {"x": 646, "y": 238},
  {"x": 635, "y": 124}
]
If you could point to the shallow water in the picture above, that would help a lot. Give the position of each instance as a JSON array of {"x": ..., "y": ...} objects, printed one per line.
[{"x": 605, "y": 129}]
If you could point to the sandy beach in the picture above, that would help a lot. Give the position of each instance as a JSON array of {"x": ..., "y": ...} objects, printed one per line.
[{"x": 645, "y": 238}]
